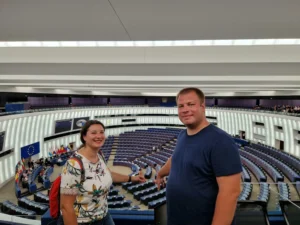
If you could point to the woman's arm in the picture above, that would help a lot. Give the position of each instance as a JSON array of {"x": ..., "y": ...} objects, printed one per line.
[
  {"x": 120, "y": 178},
  {"x": 67, "y": 208}
]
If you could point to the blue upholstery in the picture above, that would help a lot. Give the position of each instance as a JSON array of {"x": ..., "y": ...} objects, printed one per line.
[
  {"x": 245, "y": 175},
  {"x": 264, "y": 192},
  {"x": 12, "y": 209},
  {"x": 40, "y": 197},
  {"x": 154, "y": 196},
  {"x": 148, "y": 172},
  {"x": 113, "y": 192},
  {"x": 139, "y": 187},
  {"x": 258, "y": 173},
  {"x": 39, "y": 208},
  {"x": 119, "y": 204},
  {"x": 298, "y": 186},
  {"x": 246, "y": 192},
  {"x": 283, "y": 156},
  {"x": 115, "y": 198},
  {"x": 138, "y": 194},
  {"x": 155, "y": 203},
  {"x": 283, "y": 191},
  {"x": 291, "y": 174},
  {"x": 275, "y": 175}
]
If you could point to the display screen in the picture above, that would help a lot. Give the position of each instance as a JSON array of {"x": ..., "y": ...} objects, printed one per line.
[
  {"x": 79, "y": 122},
  {"x": 2, "y": 136},
  {"x": 63, "y": 126}
]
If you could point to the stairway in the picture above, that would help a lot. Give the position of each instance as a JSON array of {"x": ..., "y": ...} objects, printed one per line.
[{"x": 113, "y": 151}]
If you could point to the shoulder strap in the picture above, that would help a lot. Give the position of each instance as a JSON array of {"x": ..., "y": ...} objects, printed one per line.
[
  {"x": 79, "y": 160},
  {"x": 102, "y": 156}
]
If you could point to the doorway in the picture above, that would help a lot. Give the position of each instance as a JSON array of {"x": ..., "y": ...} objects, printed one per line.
[
  {"x": 279, "y": 144},
  {"x": 242, "y": 134}
]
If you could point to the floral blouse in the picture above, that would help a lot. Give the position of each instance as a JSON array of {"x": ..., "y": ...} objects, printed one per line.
[{"x": 91, "y": 201}]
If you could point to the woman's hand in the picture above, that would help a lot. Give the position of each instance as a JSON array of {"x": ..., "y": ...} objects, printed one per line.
[{"x": 139, "y": 178}]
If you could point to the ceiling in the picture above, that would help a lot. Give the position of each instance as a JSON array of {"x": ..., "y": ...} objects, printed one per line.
[
  {"x": 136, "y": 71},
  {"x": 148, "y": 20}
]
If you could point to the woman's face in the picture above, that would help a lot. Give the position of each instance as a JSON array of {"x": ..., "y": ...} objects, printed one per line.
[{"x": 95, "y": 136}]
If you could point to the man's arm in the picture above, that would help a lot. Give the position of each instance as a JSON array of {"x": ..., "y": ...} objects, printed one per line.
[
  {"x": 163, "y": 172},
  {"x": 229, "y": 191}
]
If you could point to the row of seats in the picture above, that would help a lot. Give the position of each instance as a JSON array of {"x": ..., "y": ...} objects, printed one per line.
[
  {"x": 148, "y": 161},
  {"x": 37, "y": 207},
  {"x": 134, "y": 167},
  {"x": 157, "y": 160},
  {"x": 264, "y": 192},
  {"x": 113, "y": 192},
  {"x": 138, "y": 194},
  {"x": 284, "y": 192},
  {"x": 154, "y": 196},
  {"x": 119, "y": 204},
  {"x": 275, "y": 175},
  {"x": 258, "y": 173},
  {"x": 155, "y": 203},
  {"x": 163, "y": 153},
  {"x": 46, "y": 177},
  {"x": 298, "y": 187},
  {"x": 291, "y": 174},
  {"x": 115, "y": 198},
  {"x": 148, "y": 172},
  {"x": 246, "y": 192},
  {"x": 40, "y": 197},
  {"x": 15, "y": 210},
  {"x": 34, "y": 174},
  {"x": 140, "y": 163},
  {"x": 245, "y": 175},
  {"x": 288, "y": 159},
  {"x": 140, "y": 187}
]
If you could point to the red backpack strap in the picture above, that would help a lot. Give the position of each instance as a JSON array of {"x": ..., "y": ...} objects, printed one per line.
[
  {"x": 102, "y": 156},
  {"x": 79, "y": 160}
]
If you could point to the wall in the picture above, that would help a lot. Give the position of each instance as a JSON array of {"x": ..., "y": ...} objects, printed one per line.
[{"x": 25, "y": 129}]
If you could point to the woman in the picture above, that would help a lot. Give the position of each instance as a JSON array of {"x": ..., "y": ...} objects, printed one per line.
[{"x": 86, "y": 203}]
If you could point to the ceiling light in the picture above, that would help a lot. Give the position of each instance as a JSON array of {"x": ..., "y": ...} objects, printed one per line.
[
  {"x": 182, "y": 43},
  {"x": 222, "y": 42},
  {"x": 87, "y": 43},
  {"x": 69, "y": 43},
  {"x": 143, "y": 43},
  {"x": 203, "y": 42},
  {"x": 124, "y": 43},
  {"x": 106, "y": 43},
  {"x": 50, "y": 44},
  {"x": 162, "y": 43},
  {"x": 286, "y": 41},
  {"x": 32, "y": 43},
  {"x": 264, "y": 42},
  {"x": 243, "y": 42},
  {"x": 14, "y": 44}
]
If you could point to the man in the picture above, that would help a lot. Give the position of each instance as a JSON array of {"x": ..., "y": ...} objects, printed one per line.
[{"x": 204, "y": 170}]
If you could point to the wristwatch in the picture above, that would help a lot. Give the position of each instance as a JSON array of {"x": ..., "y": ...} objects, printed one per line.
[{"x": 129, "y": 178}]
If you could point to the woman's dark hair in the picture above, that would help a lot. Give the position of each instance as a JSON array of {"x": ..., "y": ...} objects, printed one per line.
[{"x": 85, "y": 128}]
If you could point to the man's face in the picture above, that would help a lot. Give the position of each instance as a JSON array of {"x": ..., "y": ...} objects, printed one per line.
[{"x": 190, "y": 109}]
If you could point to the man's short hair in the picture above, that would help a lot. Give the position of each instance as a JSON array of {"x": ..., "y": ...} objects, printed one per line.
[{"x": 198, "y": 92}]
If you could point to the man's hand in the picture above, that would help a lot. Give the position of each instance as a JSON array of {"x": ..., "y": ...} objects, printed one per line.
[
  {"x": 159, "y": 181},
  {"x": 138, "y": 179}
]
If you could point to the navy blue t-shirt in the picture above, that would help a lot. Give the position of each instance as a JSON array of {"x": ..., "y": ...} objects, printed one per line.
[{"x": 192, "y": 187}]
